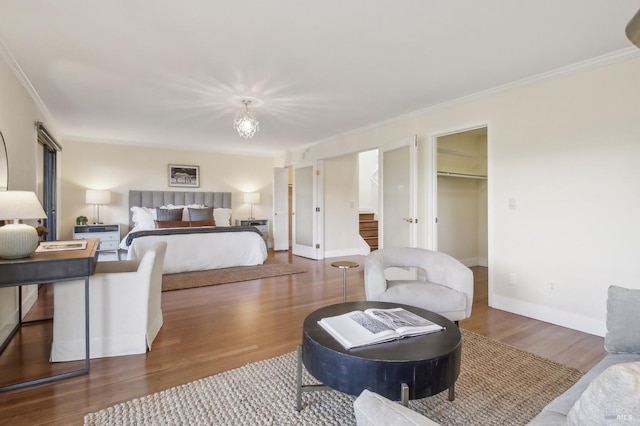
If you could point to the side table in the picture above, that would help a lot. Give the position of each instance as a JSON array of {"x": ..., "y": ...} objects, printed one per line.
[{"x": 344, "y": 265}]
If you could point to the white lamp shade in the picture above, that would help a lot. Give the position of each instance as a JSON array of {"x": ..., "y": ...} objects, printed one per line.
[
  {"x": 95, "y": 196},
  {"x": 252, "y": 198},
  {"x": 20, "y": 205}
]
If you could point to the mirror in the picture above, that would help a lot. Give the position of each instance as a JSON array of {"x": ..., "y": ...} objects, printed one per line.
[
  {"x": 4, "y": 168},
  {"x": 4, "y": 165}
]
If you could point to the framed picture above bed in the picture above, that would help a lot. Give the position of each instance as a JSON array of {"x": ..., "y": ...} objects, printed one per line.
[{"x": 186, "y": 176}]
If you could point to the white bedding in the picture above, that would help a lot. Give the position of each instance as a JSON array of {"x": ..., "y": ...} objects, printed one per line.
[{"x": 198, "y": 252}]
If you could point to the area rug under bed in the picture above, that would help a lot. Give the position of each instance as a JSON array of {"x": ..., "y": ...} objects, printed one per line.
[
  {"x": 270, "y": 268},
  {"x": 498, "y": 385}
]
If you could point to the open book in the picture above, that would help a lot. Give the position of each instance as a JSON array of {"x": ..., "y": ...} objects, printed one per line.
[{"x": 361, "y": 328}]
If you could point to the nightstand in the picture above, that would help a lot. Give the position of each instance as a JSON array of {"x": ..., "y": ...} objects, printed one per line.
[
  {"x": 109, "y": 236},
  {"x": 261, "y": 224}
]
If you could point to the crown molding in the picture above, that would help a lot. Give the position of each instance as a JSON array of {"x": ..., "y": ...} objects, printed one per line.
[
  {"x": 10, "y": 60},
  {"x": 599, "y": 61}
]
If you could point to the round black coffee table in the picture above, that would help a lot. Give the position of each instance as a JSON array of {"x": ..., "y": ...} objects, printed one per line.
[{"x": 410, "y": 368}]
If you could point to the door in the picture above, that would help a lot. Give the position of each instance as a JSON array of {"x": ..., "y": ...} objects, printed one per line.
[
  {"x": 307, "y": 206},
  {"x": 280, "y": 208},
  {"x": 397, "y": 165}
]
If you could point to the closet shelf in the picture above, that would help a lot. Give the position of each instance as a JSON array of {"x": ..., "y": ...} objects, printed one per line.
[{"x": 462, "y": 175}]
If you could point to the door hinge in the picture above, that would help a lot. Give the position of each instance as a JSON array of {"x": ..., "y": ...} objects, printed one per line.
[
  {"x": 317, "y": 209},
  {"x": 317, "y": 246}
]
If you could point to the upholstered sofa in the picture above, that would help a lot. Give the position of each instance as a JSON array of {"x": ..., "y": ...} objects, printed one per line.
[
  {"x": 372, "y": 409},
  {"x": 610, "y": 392}
]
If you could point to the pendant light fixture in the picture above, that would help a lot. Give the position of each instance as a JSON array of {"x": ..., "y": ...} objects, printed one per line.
[{"x": 246, "y": 124}]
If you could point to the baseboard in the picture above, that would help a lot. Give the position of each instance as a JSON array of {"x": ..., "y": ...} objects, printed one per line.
[
  {"x": 344, "y": 252},
  {"x": 550, "y": 315},
  {"x": 475, "y": 261}
]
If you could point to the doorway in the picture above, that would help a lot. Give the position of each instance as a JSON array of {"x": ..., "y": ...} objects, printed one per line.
[{"x": 461, "y": 196}]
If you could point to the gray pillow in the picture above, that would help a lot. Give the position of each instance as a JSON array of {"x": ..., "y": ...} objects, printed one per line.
[
  {"x": 172, "y": 215},
  {"x": 201, "y": 214},
  {"x": 611, "y": 398},
  {"x": 623, "y": 325}
]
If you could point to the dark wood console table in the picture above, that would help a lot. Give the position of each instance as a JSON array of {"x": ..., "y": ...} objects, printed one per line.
[{"x": 51, "y": 267}]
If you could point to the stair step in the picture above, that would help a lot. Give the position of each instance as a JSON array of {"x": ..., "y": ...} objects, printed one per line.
[
  {"x": 366, "y": 216},
  {"x": 369, "y": 233}
]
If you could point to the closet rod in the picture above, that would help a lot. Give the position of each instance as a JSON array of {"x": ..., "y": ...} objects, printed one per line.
[{"x": 461, "y": 175}]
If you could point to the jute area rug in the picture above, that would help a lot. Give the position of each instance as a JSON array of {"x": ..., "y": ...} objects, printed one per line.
[
  {"x": 270, "y": 268},
  {"x": 498, "y": 385}
]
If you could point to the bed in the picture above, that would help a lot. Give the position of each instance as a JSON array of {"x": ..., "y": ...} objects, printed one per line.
[{"x": 192, "y": 245}]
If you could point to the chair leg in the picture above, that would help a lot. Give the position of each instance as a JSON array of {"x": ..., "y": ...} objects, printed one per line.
[{"x": 457, "y": 323}]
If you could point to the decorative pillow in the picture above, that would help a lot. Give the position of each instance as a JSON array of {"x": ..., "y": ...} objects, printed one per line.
[
  {"x": 195, "y": 223},
  {"x": 169, "y": 214},
  {"x": 222, "y": 217},
  {"x": 623, "y": 327},
  {"x": 201, "y": 214},
  {"x": 171, "y": 224},
  {"x": 613, "y": 396},
  {"x": 143, "y": 218}
]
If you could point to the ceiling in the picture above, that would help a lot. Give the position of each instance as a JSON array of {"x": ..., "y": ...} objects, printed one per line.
[{"x": 172, "y": 74}]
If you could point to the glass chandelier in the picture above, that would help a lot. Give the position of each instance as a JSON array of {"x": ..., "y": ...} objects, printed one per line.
[{"x": 246, "y": 124}]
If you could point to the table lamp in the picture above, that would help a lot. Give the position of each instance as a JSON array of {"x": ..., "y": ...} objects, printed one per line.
[
  {"x": 251, "y": 198},
  {"x": 18, "y": 240},
  {"x": 98, "y": 198}
]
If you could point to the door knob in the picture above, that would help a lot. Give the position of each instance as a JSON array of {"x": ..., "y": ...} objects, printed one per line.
[{"x": 410, "y": 220}]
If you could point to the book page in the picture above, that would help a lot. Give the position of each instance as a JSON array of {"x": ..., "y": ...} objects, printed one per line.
[
  {"x": 404, "y": 322},
  {"x": 46, "y": 246},
  {"x": 355, "y": 329}
]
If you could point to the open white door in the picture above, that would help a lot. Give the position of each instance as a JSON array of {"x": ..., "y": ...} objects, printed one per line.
[
  {"x": 398, "y": 226},
  {"x": 307, "y": 210},
  {"x": 280, "y": 208},
  {"x": 397, "y": 165}
]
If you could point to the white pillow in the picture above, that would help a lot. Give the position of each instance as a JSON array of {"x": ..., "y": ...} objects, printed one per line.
[
  {"x": 612, "y": 395},
  {"x": 222, "y": 217},
  {"x": 143, "y": 218}
]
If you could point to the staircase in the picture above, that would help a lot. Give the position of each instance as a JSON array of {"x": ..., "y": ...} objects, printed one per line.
[{"x": 369, "y": 230}]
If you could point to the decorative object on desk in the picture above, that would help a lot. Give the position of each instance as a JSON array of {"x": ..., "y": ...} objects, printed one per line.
[
  {"x": 61, "y": 245},
  {"x": 98, "y": 198},
  {"x": 188, "y": 176},
  {"x": 18, "y": 240},
  {"x": 81, "y": 220},
  {"x": 251, "y": 198},
  {"x": 246, "y": 125},
  {"x": 498, "y": 385}
]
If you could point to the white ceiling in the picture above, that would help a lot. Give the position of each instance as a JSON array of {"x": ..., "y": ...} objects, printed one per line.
[{"x": 173, "y": 73}]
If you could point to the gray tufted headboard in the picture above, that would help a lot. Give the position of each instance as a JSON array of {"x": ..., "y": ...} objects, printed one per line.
[{"x": 162, "y": 198}]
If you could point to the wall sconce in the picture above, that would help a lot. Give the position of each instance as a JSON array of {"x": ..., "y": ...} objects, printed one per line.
[
  {"x": 251, "y": 198},
  {"x": 98, "y": 198},
  {"x": 18, "y": 240}
]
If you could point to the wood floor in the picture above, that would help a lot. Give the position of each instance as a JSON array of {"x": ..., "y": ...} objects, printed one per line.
[{"x": 213, "y": 329}]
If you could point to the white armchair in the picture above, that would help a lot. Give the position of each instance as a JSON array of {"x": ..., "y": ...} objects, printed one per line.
[
  {"x": 443, "y": 284},
  {"x": 124, "y": 309}
]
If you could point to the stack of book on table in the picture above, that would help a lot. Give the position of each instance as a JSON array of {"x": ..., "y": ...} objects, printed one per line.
[{"x": 362, "y": 328}]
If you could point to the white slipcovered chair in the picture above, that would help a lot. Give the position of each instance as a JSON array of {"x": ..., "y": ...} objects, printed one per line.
[
  {"x": 443, "y": 284},
  {"x": 124, "y": 309}
]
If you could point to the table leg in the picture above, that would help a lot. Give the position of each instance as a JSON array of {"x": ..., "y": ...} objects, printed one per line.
[
  {"x": 404, "y": 394},
  {"x": 304, "y": 388},
  {"x": 344, "y": 284},
  {"x": 452, "y": 392}
]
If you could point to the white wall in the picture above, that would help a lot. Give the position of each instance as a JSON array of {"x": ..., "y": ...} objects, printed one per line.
[
  {"x": 18, "y": 114},
  {"x": 367, "y": 176},
  {"x": 123, "y": 168},
  {"x": 566, "y": 150}
]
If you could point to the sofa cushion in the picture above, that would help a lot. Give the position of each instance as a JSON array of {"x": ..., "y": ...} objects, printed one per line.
[
  {"x": 372, "y": 409},
  {"x": 613, "y": 395},
  {"x": 563, "y": 403},
  {"x": 432, "y": 297},
  {"x": 623, "y": 327}
]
